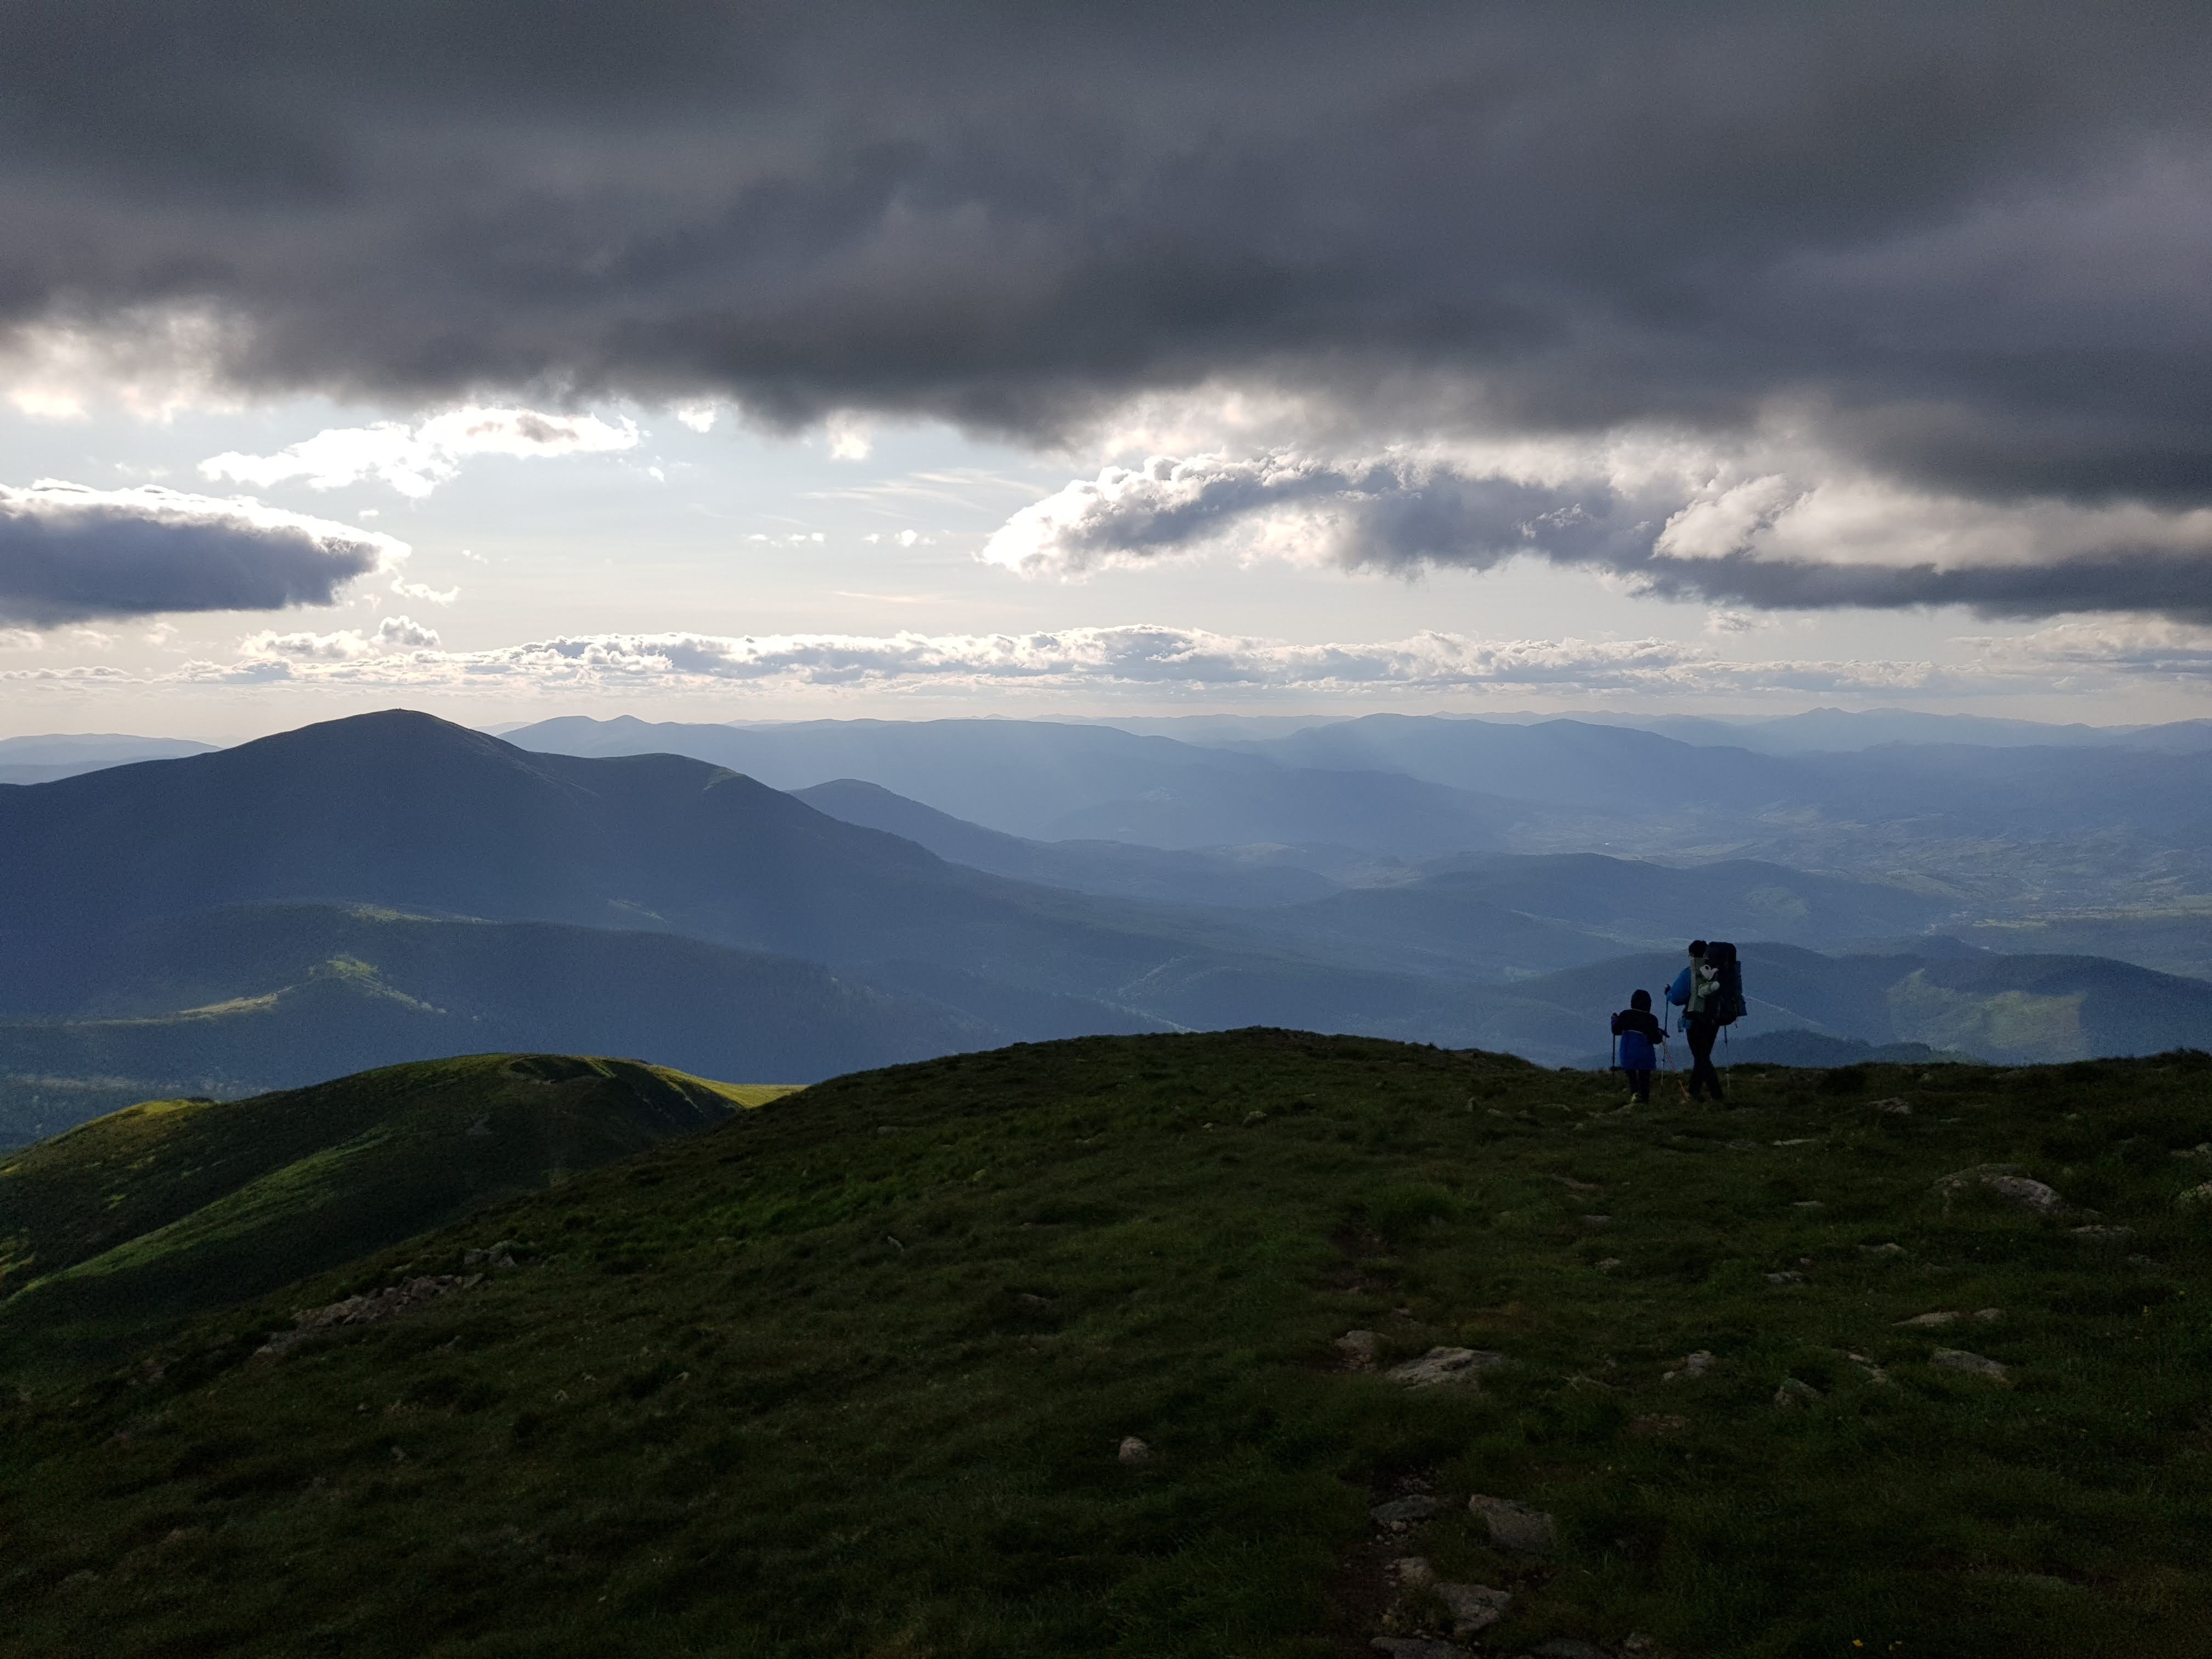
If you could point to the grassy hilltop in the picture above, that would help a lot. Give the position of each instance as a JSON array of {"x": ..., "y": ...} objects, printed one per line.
[
  {"x": 172, "y": 1206},
  {"x": 849, "y": 1375}
]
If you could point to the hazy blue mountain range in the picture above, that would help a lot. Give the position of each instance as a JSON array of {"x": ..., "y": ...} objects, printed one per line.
[
  {"x": 2106, "y": 848},
  {"x": 1558, "y": 785},
  {"x": 42, "y": 759},
  {"x": 1494, "y": 914},
  {"x": 2009, "y": 1009},
  {"x": 1250, "y": 876},
  {"x": 1961, "y": 787},
  {"x": 1816, "y": 729},
  {"x": 391, "y": 886},
  {"x": 1058, "y": 783}
]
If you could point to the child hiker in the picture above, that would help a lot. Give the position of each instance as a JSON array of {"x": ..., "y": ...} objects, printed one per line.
[{"x": 1636, "y": 1030}]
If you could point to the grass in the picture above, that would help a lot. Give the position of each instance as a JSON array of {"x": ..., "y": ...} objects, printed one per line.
[
  {"x": 177, "y": 1206},
  {"x": 846, "y": 1376}
]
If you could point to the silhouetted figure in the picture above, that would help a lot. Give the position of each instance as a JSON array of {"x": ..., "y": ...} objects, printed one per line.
[
  {"x": 1638, "y": 1029},
  {"x": 1696, "y": 991}
]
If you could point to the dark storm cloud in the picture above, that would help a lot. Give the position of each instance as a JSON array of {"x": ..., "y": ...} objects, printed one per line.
[
  {"x": 1407, "y": 514},
  {"x": 1966, "y": 239},
  {"x": 2173, "y": 584},
  {"x": 70, "y": 554}
]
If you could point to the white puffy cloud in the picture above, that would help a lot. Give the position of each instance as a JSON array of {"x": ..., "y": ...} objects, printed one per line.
[
  {"x": 2138, "y": 647},
  {"x": 70, "y": 554},
  {"x": 393, "y": 633},
  {"x": 852, "y": 436},
  {"x": 1150, "y": 660},
  {"x": 415, "y": 459}
]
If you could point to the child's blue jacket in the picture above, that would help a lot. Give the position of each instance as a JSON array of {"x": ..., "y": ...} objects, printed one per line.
[{"x": 1635, "y": 1028}]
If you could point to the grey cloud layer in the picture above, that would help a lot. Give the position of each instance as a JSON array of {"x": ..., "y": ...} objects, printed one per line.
[
  {"x": 72, "y": 555},
  {"x": 1964, "y": 240},
  {"x": 1767, "y": 543}
]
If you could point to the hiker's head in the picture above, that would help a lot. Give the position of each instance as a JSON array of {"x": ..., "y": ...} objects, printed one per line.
[
  {"x": 1698, "y": 949},
  {"x": 1641, "y": 1002}
]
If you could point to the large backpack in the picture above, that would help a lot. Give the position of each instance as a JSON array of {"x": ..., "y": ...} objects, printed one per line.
[{"x": 1726, "y": 1006}]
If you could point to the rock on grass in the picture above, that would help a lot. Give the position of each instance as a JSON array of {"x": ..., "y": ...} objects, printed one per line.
[
  {"x": 1439, "y": 1366},
  {"x": 1515, "y": 1525},
  {"x": 2005, "y": 1180},
  {"x": 1974, "y": 1364}
]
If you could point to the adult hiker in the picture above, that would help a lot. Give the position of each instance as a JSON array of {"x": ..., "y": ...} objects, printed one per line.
[{"x": 1697, "y": 992}]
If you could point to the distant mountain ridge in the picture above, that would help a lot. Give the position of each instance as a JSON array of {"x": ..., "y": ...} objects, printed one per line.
[
  {"x": 1050, "y": 781},
  {"x": 391, "y": 885},
  {"x": 1113, "y": 869},
  {"x": 248, "y": 998},
  {"x": 42, "y": 759}
]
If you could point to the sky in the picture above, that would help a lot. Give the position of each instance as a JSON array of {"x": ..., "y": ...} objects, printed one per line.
[{"x": 744, "y": 362}]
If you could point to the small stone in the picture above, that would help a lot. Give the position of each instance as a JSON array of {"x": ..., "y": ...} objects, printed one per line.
[
  {"x": 1795, "y": 1392},
  {"x": 1808, "y": 1204},
  {"x": 1357, "y": 1348},
  {"x": 1895, "y": 1108},
  {"x": 1567, "y": 1647},
  {"x": 1958, "y": 1360},
  {"x": 1656, "y": 1425},
  {"x": 1928, "y": 1321},
  {"x": 1414, "y": 1572},
  {"x": 1418, "y": 1647},
  {"x": 1474, "y": 1607},
  {"x": 1693, "y": 1367},
  {"x": 1032, "y": 1300},
  {"x": 1252, "y": 1117},
  {"x": 1515, "y": 1525},
  {"x": 2099, "y": 1232},
  {"x": 1608, "y": 1264},
  {"x": 1790, "y": 1276},
  {"x": 1988, "y": 1316},
  {"x": 1881, "y": 1250},
  {"x": 1743, "y": 1146},
  {"x": 1135, "y": 1450},
  {"x": 1440, "y": 1366},
  {"x": 2197, "y": 1198},
  {"x": 1400, "y": 1513},
  {"x": 1595, "y": 1220},
  {"x": 1802, "y": 1141}
]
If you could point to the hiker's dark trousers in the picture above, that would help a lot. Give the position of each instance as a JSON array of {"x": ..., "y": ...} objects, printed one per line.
[
  {"x": 1639, "y": 1083},
  {"x": 1701, "y": 1033}
]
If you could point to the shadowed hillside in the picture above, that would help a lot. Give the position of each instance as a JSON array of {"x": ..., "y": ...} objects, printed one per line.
[
  {"x": 1093, "y": 1348},
  {"x": 172, "y": 1205}
]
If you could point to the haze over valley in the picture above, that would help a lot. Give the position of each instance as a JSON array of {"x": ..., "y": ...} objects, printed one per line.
[{"x": 784, "y": 903}]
